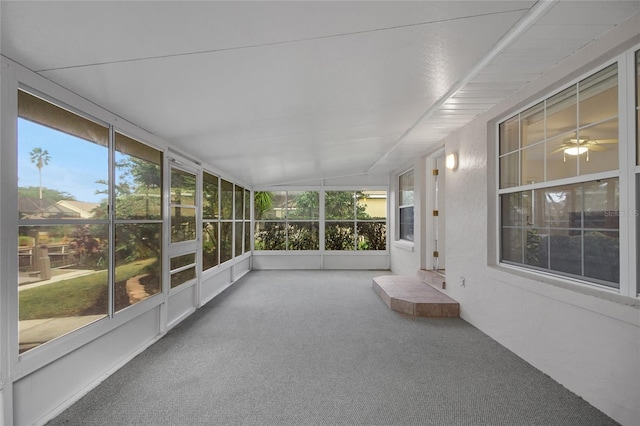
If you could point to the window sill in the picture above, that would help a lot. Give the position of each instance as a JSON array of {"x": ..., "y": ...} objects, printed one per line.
[{"x": 404, "y": 245}]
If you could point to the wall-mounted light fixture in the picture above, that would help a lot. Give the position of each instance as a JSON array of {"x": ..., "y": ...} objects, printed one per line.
[{"x": 451, "y": 161}]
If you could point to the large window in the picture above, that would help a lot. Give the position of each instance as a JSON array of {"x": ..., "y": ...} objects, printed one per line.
[
  {"x": 559, "y": 183},
  {"x": 210, "y": 221},
  {"x": 292, "y": 220},
  {"x": 67, "y": 238},
  {"x": 405, "y": 206},
  {"x": 355, "y": 220},
  {"x": 63, "y": 245},
  {"x": 138, "y": 221},
  {"x": 287, "y": 220},
  {"x": 226, "y": 221}
]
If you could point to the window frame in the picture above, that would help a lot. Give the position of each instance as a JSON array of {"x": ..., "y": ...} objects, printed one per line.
[
  {"x": 625, "y": 173},
  {"x": 400, "y": 207}
]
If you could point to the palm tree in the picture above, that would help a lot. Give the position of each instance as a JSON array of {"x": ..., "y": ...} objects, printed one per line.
[{"x": 40, "y": 158}]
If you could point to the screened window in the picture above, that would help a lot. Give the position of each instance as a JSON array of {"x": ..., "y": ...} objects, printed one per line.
[
  {"x": 355, "y": 220},
  {"x": 183, "y": 205},
  {"x": 405, "y": 206},
  {"x": 247, "y": 220},
  {"x": 287, "y": 220},
  {"x": 138, "y": 221},
  {"x": 63, "y": 243},
  {"x": 239, "y": 220},
  {"x": 183, "y": 269},
  {"x": 569, "y": 228},
  {"x": 210, "y": 221},
  {"x": 226, "y": 223}
]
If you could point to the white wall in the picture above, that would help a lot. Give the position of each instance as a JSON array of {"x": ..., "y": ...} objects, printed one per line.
[{"x": 585, "y": 339}]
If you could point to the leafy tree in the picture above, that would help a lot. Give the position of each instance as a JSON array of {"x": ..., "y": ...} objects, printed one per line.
[
  {"x": 262, "y": 202},
  {"x": 340, "y": 205},
  {"x": 49, "y": 195},
  {"x": 90, "y": 250}
]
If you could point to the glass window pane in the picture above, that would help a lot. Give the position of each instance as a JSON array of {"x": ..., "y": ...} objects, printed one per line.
[
  {"x": 563, "y": 206},
  {"x": 182, "y": 277},
  {"x": 303, "y": 205},
  {"x": 339, "y": 236},
  {"x": 510, "y": 135},
  {"x": 601, "y": 204},
  {"x": 226, "y": 200},
  {"x": 209, "y": 196},
  {"x": 406, "y": 189},
  {"x": 602, "y": 256},
  {"x": 598, "y": 96},
  {"x": 600, "y": 143},
  {"x": 239, "y": 202},
  {"x": 183, "y": 224},
  {"x": 406, "y": 223},
  {"x": 560, "y": 161},
  {"x": 533, "y": 164},
  {"x": 270, "y": 236},
  {"x": 372, "y": 235},
  {"x": 138, "y": 254},
  {"x": 52, "y": 182},
  {"x": 183, "y": 188},
  {"x": 62, "y": 273},
  {"x": 509, "y": 170},
  {"x": 371, "y": 205},
  {"x": 270, "y": 204},
  {"x": 247, "y": 236},
  {"x": 226, "y": 241},
  {"x": 239, "y": 238},
  {"x": 638, "y": 110},
  {"x": 209, "y": 245},
  {"x": 535, "y": 247},
  {"x": 182, "y": 260},
  {"x": 303, "y": 236},
  {"x": 532, "y": 125},
  {"x": 138, "y": 180},
  {"x": 565, "y": 251},
  {"x": 512, "y": 244},
  {"x": 562, "y": 113},
  {"x": 637, "y": 215},
  {"x": 247, "y": 204},
  {"x": 340, "y": 205},
  {"x": 512, "y": 213}
]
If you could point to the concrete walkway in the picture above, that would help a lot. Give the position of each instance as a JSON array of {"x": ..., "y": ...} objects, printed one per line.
[{"x": 39, "y": 331}]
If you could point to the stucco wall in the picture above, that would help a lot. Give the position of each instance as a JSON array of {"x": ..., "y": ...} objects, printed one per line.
[{"x": 586, "y": 340}]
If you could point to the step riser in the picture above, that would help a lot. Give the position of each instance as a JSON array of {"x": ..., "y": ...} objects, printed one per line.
[{"x": 412, "y": 297}]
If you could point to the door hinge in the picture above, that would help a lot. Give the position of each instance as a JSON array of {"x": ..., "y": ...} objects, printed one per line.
[
  {"x": 435, "y": 172},
  {"x": 435, "y": 212},
  {"x": 435, "y": 254}
]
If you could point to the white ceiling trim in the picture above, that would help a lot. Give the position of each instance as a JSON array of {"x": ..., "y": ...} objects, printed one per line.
[{"x": 529, "y": 19}]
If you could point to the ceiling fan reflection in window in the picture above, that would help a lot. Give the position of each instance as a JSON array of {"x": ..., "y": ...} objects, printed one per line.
[{"x": 577, "y": 146}]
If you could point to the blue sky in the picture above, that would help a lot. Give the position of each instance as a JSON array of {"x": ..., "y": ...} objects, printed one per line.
[{"x": 74, "y": 167}]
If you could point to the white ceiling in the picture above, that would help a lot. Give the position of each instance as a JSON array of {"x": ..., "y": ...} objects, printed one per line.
[{"x": 287, "y": 92}]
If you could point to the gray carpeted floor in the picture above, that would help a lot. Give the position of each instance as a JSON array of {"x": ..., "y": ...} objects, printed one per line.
[{"x": 320, "y": 348}]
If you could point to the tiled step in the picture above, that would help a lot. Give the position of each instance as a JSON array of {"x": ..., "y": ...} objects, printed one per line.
[
  {"x": 411, "y": 296},
  {"x": 433, "y": 278}
]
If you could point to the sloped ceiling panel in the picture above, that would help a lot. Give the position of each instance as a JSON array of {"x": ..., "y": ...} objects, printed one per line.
[{"x": 284, "y": 92}]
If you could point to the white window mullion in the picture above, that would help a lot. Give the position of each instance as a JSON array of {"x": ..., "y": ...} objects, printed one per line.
[{"x": 628, "y": 202}]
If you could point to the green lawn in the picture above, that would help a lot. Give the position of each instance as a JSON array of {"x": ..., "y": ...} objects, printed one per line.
[{"x": 84, "y": 295}]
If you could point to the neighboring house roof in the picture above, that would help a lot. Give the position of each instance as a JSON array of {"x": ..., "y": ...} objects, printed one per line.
[
  {"x": 61, "y": 209},
  {"x": 29, "y": 206},
  {"x": 84, "y": 209}
]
